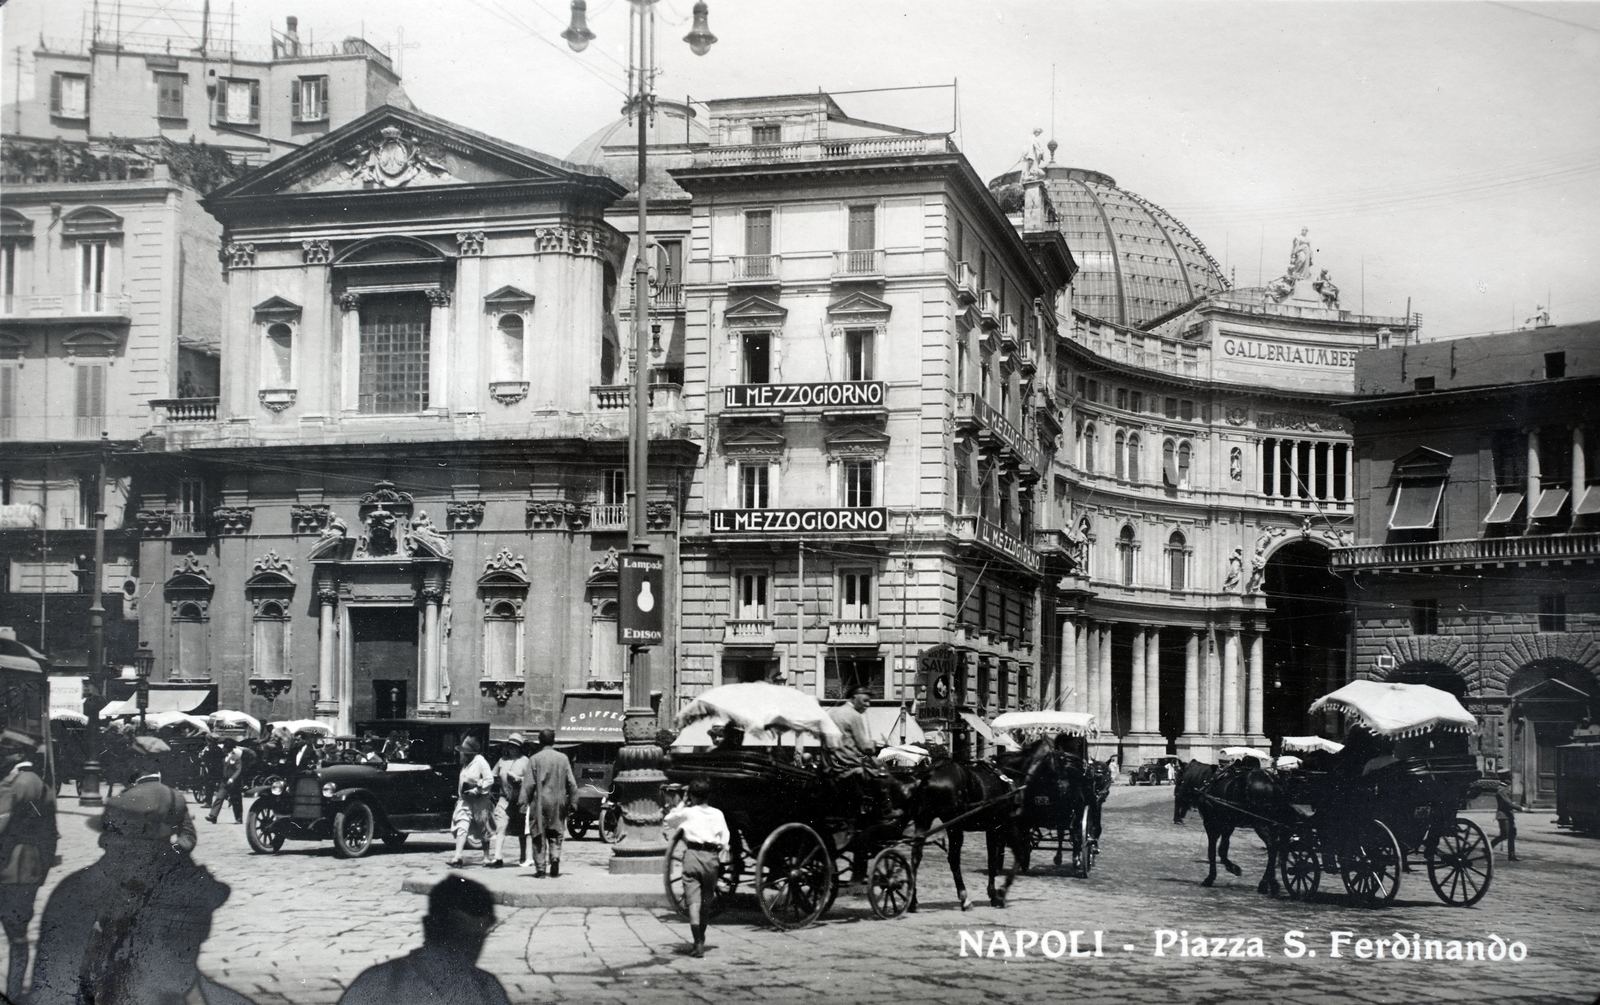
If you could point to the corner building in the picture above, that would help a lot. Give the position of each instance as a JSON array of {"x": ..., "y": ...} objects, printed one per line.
[{"x": 868, "y": 347}]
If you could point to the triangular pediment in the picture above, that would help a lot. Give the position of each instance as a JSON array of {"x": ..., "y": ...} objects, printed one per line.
[
  {"x": 753, "y": 440},
  {"x": 508, "y": 298},
  {"x": 276, "y": 309},
  {"x": 858, "y": 307},
  {"x": 754, "y": 311},
  {"x": 1423, "y": 462},
  {"x": 394, "y": 148},
  {"x": 857, "y": 440}
]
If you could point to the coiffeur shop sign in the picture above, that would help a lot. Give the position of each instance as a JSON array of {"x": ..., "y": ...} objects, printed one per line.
[{"x": 1282, "y": 352}]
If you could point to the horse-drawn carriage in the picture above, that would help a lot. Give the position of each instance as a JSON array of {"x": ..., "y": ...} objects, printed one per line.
[
  {"x": 1388, "y": 797},
  {"x": 800, "y": 817},
  {"x": 1063, "y": 789}
]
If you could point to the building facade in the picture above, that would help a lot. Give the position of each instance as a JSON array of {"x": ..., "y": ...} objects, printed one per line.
[
  {"x": 869, "y": 351},
  {"x": 1477, "y": 486},
  {"x": 415, "y": 448}
]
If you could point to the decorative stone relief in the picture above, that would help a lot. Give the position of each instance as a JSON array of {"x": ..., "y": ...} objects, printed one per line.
[
  {"x": 190, "y": 565},
  {"x": 553, "y": 514},
  {"x": 470, "y": 242},
  {"x": 504, "y": 564},
  {"x": 606, "y": 565},
  {"x": 438, "y": 297},
  {"x": 231, "y": 521},
  {"x": 385, "y": 513},
  {"x": 349, "y": 301},
  {"x": 1237, "y": 416},
  {"x": 318, "y": 252},
  {"x": 508, "y": 392},
  {"x": 238, "y": 255},
  {"x": 277, "y": 399},
  {"x": 272, "y": 564},
  {"x": 463, "y": 514},
  {"x": 658, "y": 516},
  {"x": 1301, "y": 421},
  {"x": 309, "y": 519},
  {"x": 423, "y": 539},
  {"x": 550, "y": 239},
  {"x": 153, "y": 522},
  {"x": 394, "y": 160}
]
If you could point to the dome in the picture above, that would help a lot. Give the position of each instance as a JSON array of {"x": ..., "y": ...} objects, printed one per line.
[
  {"x": 672, "y": 139},
  {"x": 1136, "y": 262}
]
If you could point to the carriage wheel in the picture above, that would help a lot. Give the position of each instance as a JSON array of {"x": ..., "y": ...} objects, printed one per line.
[
  {"x": 1371, "y": 865},
  {"x": 1301, "y": 863},
  {"x": 672, "y": 878},
  {"x": 794, "y": 876},
  {"x": 611, "y": 824},
  {"x": 891, "y": 883},
  {"x": 1084, "y": 847},
  {"x": 1035, "y": 837},
  {"x": 1460, "y": 864}
]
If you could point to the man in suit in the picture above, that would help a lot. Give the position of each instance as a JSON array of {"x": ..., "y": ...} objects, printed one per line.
[
  {"x": 27, "y": 846},
  {"x": 549, "y": 791},
  {"x": 146, "y": 753}
]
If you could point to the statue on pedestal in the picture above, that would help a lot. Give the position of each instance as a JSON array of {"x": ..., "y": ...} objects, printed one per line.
[
  {"x": 1033, "y": 157},
  {"x": 1300, "y": 258},
  {"x": 1326, "y": 290}
]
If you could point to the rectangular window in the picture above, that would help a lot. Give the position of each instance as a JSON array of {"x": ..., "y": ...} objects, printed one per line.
[
  {"x": 855, "y": 595},
  {"x": 1555, "y": 365},
  {"x": 394, "y": 356},
  {"x": 169, "y": 95},
  {"x": 239, "y": 102},
  {"x": 308, "y": 99},
  {"x": 858, "y": 355},
  {"x": 1135, "y": 401},
  {"x": 751, "y": 596},
  {"x": 91, "y": 276},
  {"x": 614, "y": 486},
  {"x": 1553, "y": 613},
  {"x": 766, "y": 134},
  {"x": 863, "y": 234},
  {"x": 1170, "y": 408},
  {"x": 1424, "y": 617},
  {"x": 500, "y": 631},
  {"x": 1122, "y": 398},
  {"x": 758, "y": 232},
  {"x": 89, "y": 400},
  {"x": 756, "y": 357},
  {"x": 857, "y": 478},
  {"x": 8, "y": 273},
  {"x": 88, "y": 499},
  {"x": 961, "y": 242},
  {"x": 1093, "y": 391},
  {"x": 69, "y": 96},
  {"x": 1186, "y": 410},
  {"x": 753, "y": 492},
  {"x": 8, "y": 402},
  {"x": 271, "y": 643},
  {"x": 1510, "y": 460}
]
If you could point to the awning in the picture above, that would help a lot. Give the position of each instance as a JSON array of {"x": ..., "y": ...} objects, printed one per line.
[
  {"x": 1551, "y": 503},
  {"x": 885, "y": 723},
  {"x": 160, "y": 701},
  {"x": 16, "y": 655},
  {"x": 1416, "y": 505},
  {"x": 979, "y": 725},
  {"x": 1588, "y": 503},
  {"x": 1505, "y": 507},
  {"x": 1169, "y": 472},
  {"x": 590, "y": 717}
]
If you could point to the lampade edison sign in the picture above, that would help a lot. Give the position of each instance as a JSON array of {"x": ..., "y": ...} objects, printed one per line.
[
  {"x": 790, "y": 521},
  {"x": 838, "y": 394},
  {"x": 640, "y": 605}
]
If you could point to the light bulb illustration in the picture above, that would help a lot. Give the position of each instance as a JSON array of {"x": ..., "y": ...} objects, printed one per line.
[{"x": 646, "y": 601}]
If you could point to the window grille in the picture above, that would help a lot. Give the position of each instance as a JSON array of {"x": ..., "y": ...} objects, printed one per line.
[{"x": 394, "y": 358}]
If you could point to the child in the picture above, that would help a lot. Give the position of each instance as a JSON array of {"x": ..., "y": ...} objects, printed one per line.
[
  {"x": 705, "y": 831},
  {"x": 1505, "y": 814}
]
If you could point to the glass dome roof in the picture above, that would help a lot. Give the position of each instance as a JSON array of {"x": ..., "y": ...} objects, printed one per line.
[{"x": 1136, "y": 262}]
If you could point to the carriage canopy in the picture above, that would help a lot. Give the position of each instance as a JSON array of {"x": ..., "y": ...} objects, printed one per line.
[
  {"x": 1047, "y": 722},
  {"x": 1398, "y": 710},
  {"x": 1310, "y": 744},
  {"x": 760, "y": 707}
]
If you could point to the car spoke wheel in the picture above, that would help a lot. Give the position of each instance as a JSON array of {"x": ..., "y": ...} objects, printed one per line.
[
  {"x": 260, "y": 829},
  {"x": 1371, "y": 865},
  {"x": 1301, "y": 864},
  {"x": 891, "y": 884},
  {"x": 353, "y": 830},
  {"x": 578, "y": 826},
  {"x": 794, "y": 877},
  {"x": 1461, "y": 865},
  {"x": 611, "y": 825}
]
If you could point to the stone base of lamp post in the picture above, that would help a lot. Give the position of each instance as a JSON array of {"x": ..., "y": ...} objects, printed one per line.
[
  {"x": 637, "y": 781},
  {"x": 89, "y": 785}
]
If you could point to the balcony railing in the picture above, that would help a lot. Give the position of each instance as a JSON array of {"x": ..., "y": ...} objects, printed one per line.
[
  {"x": 972, "y": 528},
  {"x": 850, "y": 264},
  {"x": 1008, "y": 332},
  {"x": 853, "y": 632},
  {"x": 66, "y": 305},
  {"x": 666, "y": 297},
  {"x": 747, "y": 632},
  {"x": 616, "y": 397},
  {"x": 187, "y": 525},
  {"x": 966, "y": 283},
  {"x": 1475, "y": 551},
  {"x": 989, "y": 308},
  {"x": 830, "y": 150},
  {"x": 973, "y": 412},
  {"x": 748, "y": 267},
  {"x": 187, "y": 409},
  {"x": 608, "y": 516}
]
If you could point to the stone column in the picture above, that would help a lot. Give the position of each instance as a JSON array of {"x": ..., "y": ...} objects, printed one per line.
[
  {"x": 1080, "y": 671},
  {"x": 1191, "y": 684},
  {"x": 327, "y": 705},
  {"x": 1137, "y": 721},
  {"x": 1152, "y": 681},
  {"x": 1257, "y": 685},
  {"x": 1294, "y": 467},
  {"x": 1104, "y": 684},
  {"x": 440, "y": 338},
  {"x": 1230, "y": 682},
  {"x": 1067, "y": 672},
  {"x": 429, "y": 689},
  {"x": 1212, "y": 659}
]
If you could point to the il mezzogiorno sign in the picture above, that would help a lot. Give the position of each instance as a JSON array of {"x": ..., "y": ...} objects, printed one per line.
[
  {"x": 792, "y": 521},
  {"x": 1278, "y": 352},
  {"x": 839, "y": 394}
]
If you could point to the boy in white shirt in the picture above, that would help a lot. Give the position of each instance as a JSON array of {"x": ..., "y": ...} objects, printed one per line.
[{"x": 705, "y": 830}]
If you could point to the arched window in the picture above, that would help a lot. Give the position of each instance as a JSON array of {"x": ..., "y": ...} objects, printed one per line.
[
  {"x": 509, "y": 347},
  {"x": 1169, "y": 463},
  {"x": 1088, "y": 448},
  {"x": 1178, "y": 561},
  {"x": 1133, "y": 457},
  {"x": 1126, "y": 545},
  {"x": 277, "y": 371},
  {"x": 502, "y": 641},
  {"x": 1121, "y": 454},
  {"x": 1183, "y": 463}
]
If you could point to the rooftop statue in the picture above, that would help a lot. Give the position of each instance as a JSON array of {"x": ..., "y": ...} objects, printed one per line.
[
  {"x": 1326, "y": 290},
  {"x": 1540, "y": 319},
  {"x": 1300, "y": 258},
  {"x": 1033, "y": 157}
]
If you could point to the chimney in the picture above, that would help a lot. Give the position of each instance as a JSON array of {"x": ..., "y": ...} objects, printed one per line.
[{"x": 291, "y": 36}]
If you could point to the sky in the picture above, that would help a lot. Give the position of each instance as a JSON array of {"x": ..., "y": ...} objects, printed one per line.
[{"x": 1448, "y": 153}]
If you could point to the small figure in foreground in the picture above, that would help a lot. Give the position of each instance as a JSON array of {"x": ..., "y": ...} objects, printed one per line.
[
  {"x": 705, "y": 832},
  {"x": 27, "y": 846},
  {"x": 1505, "y": 814},
  {"x": 459, "y": 919}
]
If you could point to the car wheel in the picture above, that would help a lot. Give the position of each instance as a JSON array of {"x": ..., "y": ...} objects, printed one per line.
[
  {"x": 611, "y": 828},
  {"x": 260, "y": 830},
  {"x": 578, "y": 826},
  {"x": 352, "y": 830}
]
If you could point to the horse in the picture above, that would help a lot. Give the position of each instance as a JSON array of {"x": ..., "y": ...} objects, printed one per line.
[
  {"x": 1230, "y": 798},
  {"x": 1059, "y": 781},
  {"x": 949, "y": 790}
]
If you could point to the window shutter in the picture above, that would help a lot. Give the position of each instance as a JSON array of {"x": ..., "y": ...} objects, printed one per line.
[
  {"x": 322, "y": 98},
  {"x": 255, "y": 102},
  {"x": 294, "y": 99},
  {"x": 55, "y": 94},
  {"x": 8, "y": 393},
  {"x": 81, "y": 402},
  {"x": 91, "y": 391}
]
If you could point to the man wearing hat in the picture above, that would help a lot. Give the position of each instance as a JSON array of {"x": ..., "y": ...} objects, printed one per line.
[
  {"x": 549, "y": 791},
  {"x": 147, "y": 752},
  {"x": 233, "y": 765},
  {"x": 129, "y": 927},
  {"x": 459, "y": 919},
  {"x": 474, "y": 812},
  {"x": 27, "y": 846},
  {"x": 508, "y": 814}
]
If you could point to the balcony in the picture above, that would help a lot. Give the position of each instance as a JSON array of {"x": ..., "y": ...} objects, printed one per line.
[
  {"x": 608, "y": 516},
  {"x": 187, "y": 525},
  {"x": 68, "y": 306},
  {"x": 617, "y": 397},
  {"x": 853, "y": 148},
  {"x": 748, "y": 632},
  {"x": 989, "y": 309},
  {"x": 754, "y": 268},
  {"x": 973, "y": 413},
  {"x": 867, "y": 264},
  {"x": 972, "y": 529},
  {"x": 966, "y": 284},
  {"x": 1056, "y": 551},
  {"x": 665, "y": 297},
  {"x": 186, "y": 409},
  {"x": 1027, "y": 359},
  {"x": 1493, "y": 551},
  {"x": 853, "y": 632},
  {"x": 1008, "y": 333}
]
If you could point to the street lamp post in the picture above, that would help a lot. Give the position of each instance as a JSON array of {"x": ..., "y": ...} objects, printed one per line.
[
  {"x": 89, "y": 793},
  {"x": 144, "y": 660},
  {"x": 638, "y": 774}
]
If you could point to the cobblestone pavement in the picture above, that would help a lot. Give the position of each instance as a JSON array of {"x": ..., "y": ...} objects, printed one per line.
[{"x": 301, "y": 925}]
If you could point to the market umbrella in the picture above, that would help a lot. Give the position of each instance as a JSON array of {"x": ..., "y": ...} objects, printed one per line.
[
  {"x": 759, "y": 706},
  {"x": 1398, "y": 710},
  {"x": 293, "y": 726},
  {"x": 67, "y": 715},
  {"x": 163, "y": 720}
]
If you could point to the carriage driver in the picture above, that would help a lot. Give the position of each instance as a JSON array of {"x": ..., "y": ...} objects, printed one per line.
[{"x": 705, "y": 832}]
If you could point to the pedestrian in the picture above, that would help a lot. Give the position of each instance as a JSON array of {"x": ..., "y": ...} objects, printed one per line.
[
  {"x": 549, "y": 791},
  {"x": 233, "y": 765},
  {"x": 211, "y": 759},
  {"x": 145, "y": 753},
  {"x": 706, "y": 840},
  {"x": 27, "y": 846},
  {"x": 1113, "y": 767},
  {"x": 129, "y": 927},
  {"x": 444, "y": 971},
  {"x": 509, "y": 817},
  {"x": 473, "y": 814},
  {"x": 1505, "y": 815}
]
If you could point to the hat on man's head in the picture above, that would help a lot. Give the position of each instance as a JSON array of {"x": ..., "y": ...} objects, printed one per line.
[
  {"x": 142, "y": 813},
  {"x": 469, "y": 746},
  {"x": 150, "y": 746}
]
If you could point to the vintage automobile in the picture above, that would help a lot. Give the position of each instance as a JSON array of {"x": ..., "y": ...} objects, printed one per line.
[
  {"x": 1153, "y": 771},
  {"x": 590, "y": 733},
  {"x": 353, "y": 804}
]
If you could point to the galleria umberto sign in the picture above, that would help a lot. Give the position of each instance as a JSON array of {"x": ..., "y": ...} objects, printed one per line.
[{"x": 1284, "y": 352}]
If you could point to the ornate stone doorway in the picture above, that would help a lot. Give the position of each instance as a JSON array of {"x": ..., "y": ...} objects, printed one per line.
[{"x": 384, "y": 661}]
